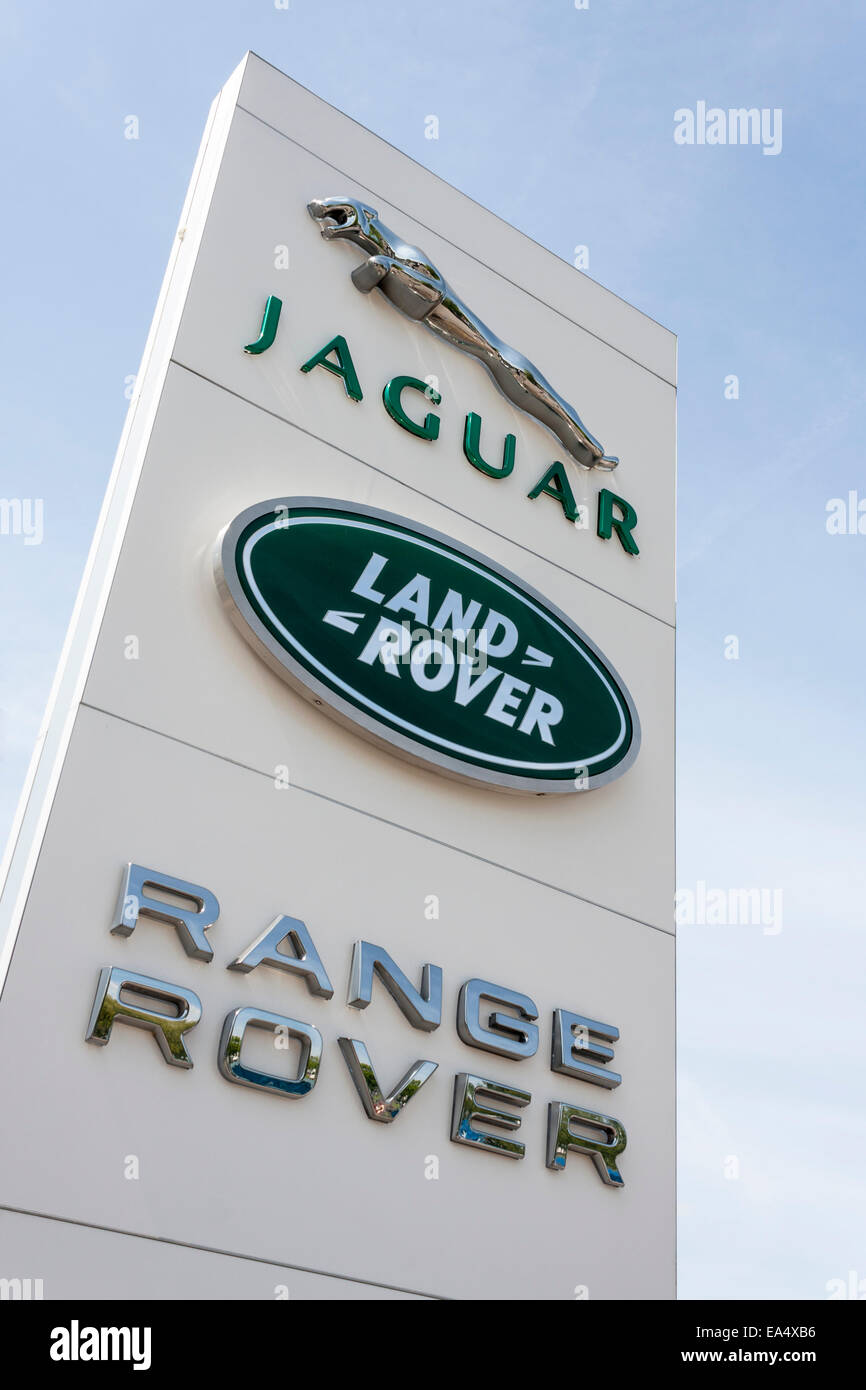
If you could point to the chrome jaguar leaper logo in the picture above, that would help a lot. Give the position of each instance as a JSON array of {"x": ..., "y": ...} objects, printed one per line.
[{"x": 411, "y": 282}]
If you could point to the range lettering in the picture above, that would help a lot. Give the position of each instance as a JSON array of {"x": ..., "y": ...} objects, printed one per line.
[{"x": 490, "y": 1017}]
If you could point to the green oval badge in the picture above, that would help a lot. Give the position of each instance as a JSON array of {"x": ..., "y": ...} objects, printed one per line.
[{"x": 424, "y": 646}]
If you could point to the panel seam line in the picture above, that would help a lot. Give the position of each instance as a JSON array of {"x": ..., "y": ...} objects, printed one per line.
[
  {"x": 211, "y": 1250},
  {"x": 356, "y": 458},
  {"x": 383, "y": 820},
  {"x": 477, "y": 259}
]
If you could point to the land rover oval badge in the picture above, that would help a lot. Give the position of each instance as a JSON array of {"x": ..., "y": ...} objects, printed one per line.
[{"x": 425, "y": 647}]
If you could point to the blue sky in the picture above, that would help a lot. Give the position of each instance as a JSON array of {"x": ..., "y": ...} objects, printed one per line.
[{"x": 561, "y": 121}]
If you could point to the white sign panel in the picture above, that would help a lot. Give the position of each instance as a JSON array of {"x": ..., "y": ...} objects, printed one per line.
[{"x": 309, "y": 962}]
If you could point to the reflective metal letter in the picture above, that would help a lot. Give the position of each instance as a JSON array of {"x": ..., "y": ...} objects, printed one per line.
[
  {"x": 503, "y": 1034},
  {"x": 603, "y": 1153},
  {"x": 191, "y": 923},
  {"x": 306, "y": 961},
  {"x": 578, "y": 1051},
  {"x": 423, "y": 1010},
  {"x": 168, "y": 1031},
  {"x": 468, "y": 1107},
  {"x": 232, "y": 1068},
  {"x": 378, "y": 1106},
  {"x": 410, "y": 281}
]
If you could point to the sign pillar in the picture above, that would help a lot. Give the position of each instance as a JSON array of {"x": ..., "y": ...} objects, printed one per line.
[{"x": 345, "y": 871}]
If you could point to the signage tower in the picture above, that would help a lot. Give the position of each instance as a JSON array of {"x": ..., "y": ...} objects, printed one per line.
[{"x": 338, "y": 955}]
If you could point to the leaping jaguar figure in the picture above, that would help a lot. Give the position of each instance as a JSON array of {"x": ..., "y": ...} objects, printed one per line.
[{"x": 408, "y": 278}]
